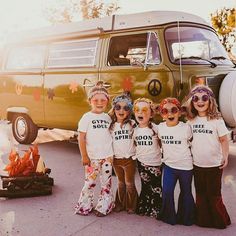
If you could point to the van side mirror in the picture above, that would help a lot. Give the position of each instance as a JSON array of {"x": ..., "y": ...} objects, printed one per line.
[{"x": 139, "y": 63}]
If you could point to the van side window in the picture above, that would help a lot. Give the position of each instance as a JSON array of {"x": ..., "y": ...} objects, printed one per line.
[
  {"x": 26, "y": 57},
  {"x": 72, "y": 53},
  {"x": 130, "y": 49}
]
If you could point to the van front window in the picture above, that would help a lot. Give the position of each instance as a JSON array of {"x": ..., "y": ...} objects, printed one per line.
[{"x": 195, "y": 45}]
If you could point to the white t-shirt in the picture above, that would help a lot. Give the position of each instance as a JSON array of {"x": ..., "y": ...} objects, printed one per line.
[
  {"x": 98, "y": 137},
  {"x": 176, "y": 146},
  {"x": 147, "y": 148},
  {"x": 122, "y": 141},
  {"x": 206, "y": 147}
]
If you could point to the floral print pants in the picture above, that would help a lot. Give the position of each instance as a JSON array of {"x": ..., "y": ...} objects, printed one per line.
[
  {"x": 105, "y": 202},
  {"x": 150, "y": 198}
]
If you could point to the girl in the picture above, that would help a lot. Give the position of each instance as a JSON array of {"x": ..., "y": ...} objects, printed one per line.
[
  {"x": 210, "y": 150},
  {"x": 95, "y": 145},
  {"x": 175, "y": 136},
  {"x": 148, "y": 155},
  {"x": 123, "y": 147}
]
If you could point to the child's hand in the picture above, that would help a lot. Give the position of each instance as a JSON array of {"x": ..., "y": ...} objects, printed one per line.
[
  {"x": 86, "y": 161},
  {"x": 224, "y": 163}
]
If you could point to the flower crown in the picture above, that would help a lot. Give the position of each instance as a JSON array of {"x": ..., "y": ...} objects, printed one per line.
[
  {"x": 174, "y": 101},
  {"x": 122, "y": 98}
]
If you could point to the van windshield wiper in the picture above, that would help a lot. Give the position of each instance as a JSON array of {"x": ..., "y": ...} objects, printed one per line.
[
  {"x": 223, "y": 58},
  {"x": 218, "y": 58},
  {"x": 213, "y": 65}
]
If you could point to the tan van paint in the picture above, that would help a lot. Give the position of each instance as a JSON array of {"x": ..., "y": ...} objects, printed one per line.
[{"x": 46, "y": 73}]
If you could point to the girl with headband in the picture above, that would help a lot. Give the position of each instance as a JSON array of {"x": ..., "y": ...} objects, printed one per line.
[
  {"x": 95, "y": 143},
  {"x": 123, "y": 146},
  {"x": 210, "y": 149},
  {"x": 148, "y": 155},
  {"x": 178, "y": 164}
]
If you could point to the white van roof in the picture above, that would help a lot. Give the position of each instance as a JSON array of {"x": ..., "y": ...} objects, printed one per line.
[{"x": 110, "y": 23}]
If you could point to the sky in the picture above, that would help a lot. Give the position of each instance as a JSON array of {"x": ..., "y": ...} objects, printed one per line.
[{"x": 18, "y": 15}]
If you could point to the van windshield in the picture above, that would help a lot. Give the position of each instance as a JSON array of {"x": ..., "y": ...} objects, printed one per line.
[{"x": 195, "y": 46}]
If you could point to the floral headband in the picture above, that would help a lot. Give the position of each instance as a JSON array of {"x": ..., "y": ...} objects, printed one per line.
[
  {"x": 169, "y": 100},
  {"x": 98, "y": 89},
  {"x": 147, "y": 100},
  {"x": 122, "y": 98},
  {"x": 202, "y": 90}
]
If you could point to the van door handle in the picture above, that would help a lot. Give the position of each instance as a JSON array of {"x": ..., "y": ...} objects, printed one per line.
[
  {"x": 107, "y": 85},
  {"x": 88, "y": 85}
]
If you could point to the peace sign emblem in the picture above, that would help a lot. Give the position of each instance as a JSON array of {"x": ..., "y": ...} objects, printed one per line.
[
  {"x": 154, "y": 87},
  {"x": 18, "y": 89}
]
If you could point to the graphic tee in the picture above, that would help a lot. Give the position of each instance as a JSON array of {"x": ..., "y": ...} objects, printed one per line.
[
  {"x": 176, "y": 146},
  {"x": 147, "y": 148},
  {"x": 206, "y": 147},
  {"x": 122, "y": 140},
  {"x": 98, "y": 137}
]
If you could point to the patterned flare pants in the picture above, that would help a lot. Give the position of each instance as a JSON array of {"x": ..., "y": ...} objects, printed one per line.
[{"x": 105, "y": 202}]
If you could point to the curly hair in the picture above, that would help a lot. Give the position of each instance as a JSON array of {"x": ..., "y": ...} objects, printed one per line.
[{"x": 212, "y": 111}]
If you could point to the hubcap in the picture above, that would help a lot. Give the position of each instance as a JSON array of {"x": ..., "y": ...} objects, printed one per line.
[{"x": 21, "y": 127}]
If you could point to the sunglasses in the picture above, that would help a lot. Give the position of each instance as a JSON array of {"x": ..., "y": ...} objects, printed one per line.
[
  {"x": 118, "y": 107},
  {"x": 173, "y": 110},
  {"x": 203, "y": 98},
  {"x": 142, "y": 110}
]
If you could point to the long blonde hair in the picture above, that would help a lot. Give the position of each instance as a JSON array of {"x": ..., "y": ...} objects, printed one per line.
[{"x": 212, "y": 111}]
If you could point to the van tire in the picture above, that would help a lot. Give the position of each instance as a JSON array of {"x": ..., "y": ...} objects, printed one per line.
[
  {"x": 227, "y": 99},
  {"x": 23, "y": 128}
]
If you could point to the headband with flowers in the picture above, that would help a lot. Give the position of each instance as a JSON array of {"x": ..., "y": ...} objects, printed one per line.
[
  {"x": 169, "y": 100},
  {"x": 122, "y": 98},
  {"x": 202, "y": 90},
  {"x": 98, "y": 89},
  {"x": 147, "y": 100}
]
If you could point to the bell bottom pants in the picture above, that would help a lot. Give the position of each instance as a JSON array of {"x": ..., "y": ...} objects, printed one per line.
[
  {"x": 210, "y": 209},
  {"x": 150, "y": 197},
  {"x": 186, "y": 206},
  {"x": 105, "y": 202},
  {"x": 126, "y": 194}
]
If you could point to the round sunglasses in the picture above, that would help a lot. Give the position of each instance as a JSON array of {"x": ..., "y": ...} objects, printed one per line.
[
  {"x": 173, "y": 110},
  {"x": 203, "y": 98},
  {"x": 142, "y": 110},
  {"x": 118, "y": 107}
]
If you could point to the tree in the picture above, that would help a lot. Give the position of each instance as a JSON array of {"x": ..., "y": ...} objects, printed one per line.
[
  {"x": 65, "y": 11},
  {"x": 224, "y": 22}
]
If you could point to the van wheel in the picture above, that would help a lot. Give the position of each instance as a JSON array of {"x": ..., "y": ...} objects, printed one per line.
[
  {"x": 24, "y": 130},
  {"x": 227, "y": 99}
]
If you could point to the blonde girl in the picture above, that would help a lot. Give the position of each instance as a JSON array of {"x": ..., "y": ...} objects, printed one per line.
[
  {"x": 148, "y": 155},
  {"x": 210, "y": 149},
  {"x": 95, "y": 143}
]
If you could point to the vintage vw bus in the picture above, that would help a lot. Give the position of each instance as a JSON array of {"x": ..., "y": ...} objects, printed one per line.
[{"x": 45, "y": 74}]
